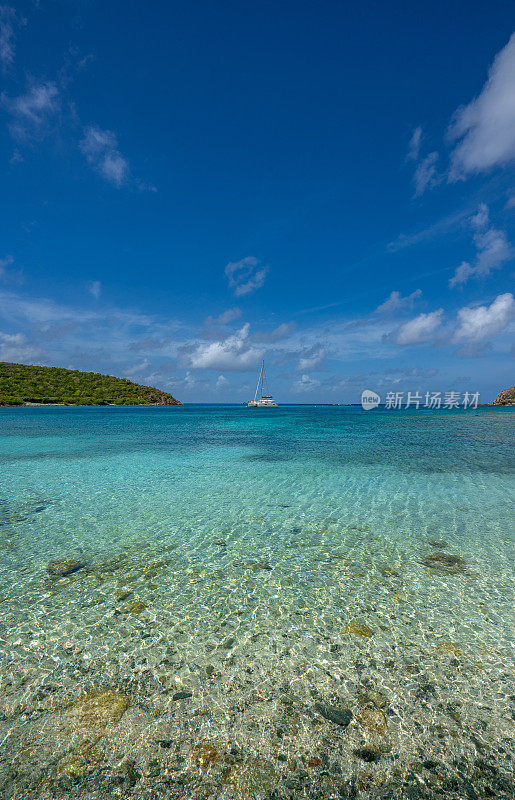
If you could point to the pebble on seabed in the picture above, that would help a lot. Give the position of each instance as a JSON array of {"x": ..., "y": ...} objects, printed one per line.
[
  {"x": 65, "y": 566},
  {"x": 359, "y": 629},
  {"x": 444, "y": 562},
  {"x": 98, "y": 709}
]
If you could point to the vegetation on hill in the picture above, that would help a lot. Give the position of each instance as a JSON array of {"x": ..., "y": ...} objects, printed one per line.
[
  {"x": 20, "y": 383},
  {"x": 506, "y": 397}
]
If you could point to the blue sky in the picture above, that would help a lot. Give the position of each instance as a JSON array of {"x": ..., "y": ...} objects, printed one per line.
[{"x": 191, "y": 187}]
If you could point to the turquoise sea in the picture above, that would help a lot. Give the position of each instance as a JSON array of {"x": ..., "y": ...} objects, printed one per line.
[{"x": 245, "y": 579}]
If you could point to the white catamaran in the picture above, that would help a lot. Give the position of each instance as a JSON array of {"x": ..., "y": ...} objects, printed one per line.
[{"x": 261, "y": 400}]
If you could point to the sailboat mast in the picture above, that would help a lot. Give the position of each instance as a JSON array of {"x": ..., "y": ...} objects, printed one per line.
[{"x": 262, "y": 371}]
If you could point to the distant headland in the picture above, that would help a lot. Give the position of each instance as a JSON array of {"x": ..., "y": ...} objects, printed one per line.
[
  {"x": 506, "y": 397},
  {"x": 25, "y": 385}
]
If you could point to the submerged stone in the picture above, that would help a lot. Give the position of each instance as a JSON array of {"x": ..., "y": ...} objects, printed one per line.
[
  {"x": 359, "y": 629},
  {"x": 338, "y": 714},
  {"x": 438, "y": 543},
  {"x": 75, "y": 766},
  {"x": 182, "y": 695},
  {"x": 389, "y": 572},
  {"x": 373, "y": 696},
  {"x": 368, "y": 753},
  {"x": 135, "y": 608},
  {"x": 448, "y": 647},
  {"x": 64, "y": 566},
  {"x": 373, "y": 720},
  {"x": 443, "y": 562},
  {"x": 99, "y": 709},
  {"x": 252, "y": 778},
  {"x": 204, "y": 755}
]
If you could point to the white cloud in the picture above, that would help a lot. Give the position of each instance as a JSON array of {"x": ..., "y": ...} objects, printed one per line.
[
  {"x": 221, "y": 382},
  {"x": 281, "y": 332},
  {"x": 233, "y": 353},
  {"x": 305, "y": 384},
  {"x": 12, "y": 338},
  {"x": 417, "y": 330},
  {"x": 485, "y": 128},
  {"x": 140, "y": 366},
  {"x": 311, "y": 358},
  {"x": 16, "y": 348},
  {"x": 189, "y": 381},
  {"x": 425, "y": 176},
  {"x": 245, "y": 276},
  {"x": 8, "y": 23},
  {"x": 439, "y": 228},
  {"x": 94, "y": 288},
  {"x": 101, "y": 150},
  {"x": 32, "y": 112},
  {"x": 481, "y": 322},
  {"x": 493, "y": 249},
  {"x": 395, "y": 302},
  {"x": 414, "y": 144},
  {"x": 225, "y": 317}
]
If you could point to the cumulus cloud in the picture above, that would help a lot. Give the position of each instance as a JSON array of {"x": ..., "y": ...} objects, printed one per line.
[
  {"x": 94, "y": 288},
  {"x": 221, "y": 382},
  {"x": 32, "y": 113},
  {"x": 414, "y": 144},
  {"x": 311, "y": 357},
  {"x": 16, "y": 348},
  {"x": 395, "y": 302},
  {"x": 426, "y": 176},
  {"x": 485, "y": 128},
  {"x": 306, "y": 384},
  {"x": 189, "y": 381},
  {"x": 101, "y": 150},
  {"x": 232, "y": 353},
  {"x": 417, "y": 330},
  {"x": 476, "y": 324},
  {"x": 492, "y": 246},
  {"x": 245, "y": 276}
]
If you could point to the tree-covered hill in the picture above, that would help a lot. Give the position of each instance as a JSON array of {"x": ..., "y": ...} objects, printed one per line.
[
  {"x": 506, "y": 397},
  {"x": 20, "y": 383}
]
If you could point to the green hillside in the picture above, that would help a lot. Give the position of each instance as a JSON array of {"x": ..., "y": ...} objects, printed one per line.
[
  {"x": 20, "y": 383},
  {"x": 506, "y": 397}
]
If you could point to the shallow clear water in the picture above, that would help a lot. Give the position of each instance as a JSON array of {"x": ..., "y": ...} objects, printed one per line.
[{"x": 249, "y": 541}]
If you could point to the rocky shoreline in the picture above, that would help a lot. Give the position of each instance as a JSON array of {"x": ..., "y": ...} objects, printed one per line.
[{"x": 506, "y": 397}]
